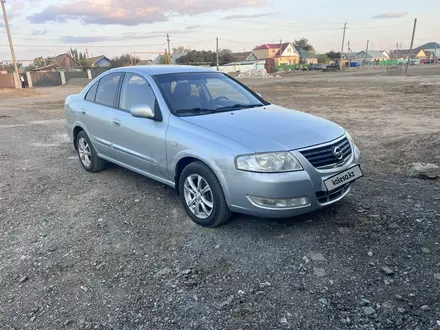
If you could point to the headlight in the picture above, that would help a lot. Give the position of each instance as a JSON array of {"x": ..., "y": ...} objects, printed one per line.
[
  {"x": 355, "y": 148},
  {"x": 269, "y": 162}
]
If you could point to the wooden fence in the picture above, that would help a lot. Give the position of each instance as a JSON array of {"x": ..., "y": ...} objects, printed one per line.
[{"x": 7, "y": 80}]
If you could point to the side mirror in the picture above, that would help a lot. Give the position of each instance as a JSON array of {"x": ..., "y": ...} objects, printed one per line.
[
  {"x": 142, "y": 111},
  {"x": 259, "y": 94}
]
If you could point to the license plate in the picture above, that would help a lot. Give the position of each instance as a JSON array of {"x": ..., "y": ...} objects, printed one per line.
[{"x": 343, "y": 178}]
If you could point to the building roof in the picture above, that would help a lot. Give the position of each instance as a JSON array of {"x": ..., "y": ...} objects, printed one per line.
[
  {"x": 430, "y": 45},
  {"x": 428, "y": 53},
  {"x": 245, "y": 62},
  {"x": 282, "y": 49},
  {"x": 241, "y": 56},
  {"x": 304, "y": 54},
  {"x": 93, "y": 60},
  {"x": 57, "y": 59},
  {"x": 144, "y": 62},
  {"x": 377, "y": 53},
  {"x": 268, "y": 46}
]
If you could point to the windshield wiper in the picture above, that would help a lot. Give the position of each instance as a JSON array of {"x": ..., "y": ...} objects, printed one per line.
[
  {"x": 239, "y": 106},
  {"x": 196, "y": 110}
]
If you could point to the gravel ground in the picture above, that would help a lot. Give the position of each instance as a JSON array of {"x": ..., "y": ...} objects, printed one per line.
[{"x": 115, "y": 250}]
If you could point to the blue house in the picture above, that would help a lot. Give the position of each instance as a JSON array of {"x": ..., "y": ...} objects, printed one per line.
[{"x": 99, "y": 61}]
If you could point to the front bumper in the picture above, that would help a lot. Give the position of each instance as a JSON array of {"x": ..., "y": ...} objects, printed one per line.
[{"x": 307, "y": 183}]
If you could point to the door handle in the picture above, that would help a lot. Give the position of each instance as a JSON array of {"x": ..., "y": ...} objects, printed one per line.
[
  {"x": 83, "y": 111},
  {"x": 116, "y": 122}
]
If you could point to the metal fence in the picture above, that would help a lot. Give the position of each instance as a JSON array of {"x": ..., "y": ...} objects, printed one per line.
[
  {"x": 44, "y": 79},
  {"x": 7, "y": 80},
  {"x": 97, "y": 72},
  {"x": 74, "y": 75}
]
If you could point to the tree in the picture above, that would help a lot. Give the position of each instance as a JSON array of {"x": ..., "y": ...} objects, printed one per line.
[
  {"x": 9, "y": 67},
  {"x": 123, "y": 60},
  {"x": 203, "y": 56},
  {"x": 333, "y": 55},
  {"x": 323, "y": 59},
  {"x": 304, "y": 44},
  {"x": 226, "y": 56},
  {"x": 181, "y": 49}
]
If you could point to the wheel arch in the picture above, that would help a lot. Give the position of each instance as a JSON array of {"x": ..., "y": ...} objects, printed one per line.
[
  {"x": 78, "y": 127},
  {"x": 185, "y": 160}
]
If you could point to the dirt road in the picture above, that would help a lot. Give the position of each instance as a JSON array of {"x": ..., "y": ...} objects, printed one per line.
[{"x": 115, "y": 250}]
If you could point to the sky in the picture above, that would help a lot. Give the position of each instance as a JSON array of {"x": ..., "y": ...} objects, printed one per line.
[{"x": 113, "y": 27}]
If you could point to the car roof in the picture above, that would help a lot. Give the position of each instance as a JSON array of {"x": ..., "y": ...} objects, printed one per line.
[{"x": 154, "y": 70}]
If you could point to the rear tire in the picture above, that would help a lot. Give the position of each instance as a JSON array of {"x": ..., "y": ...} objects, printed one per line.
[
  {"x": 202, "y": 195},
  {"x": 87, "y": 154}
]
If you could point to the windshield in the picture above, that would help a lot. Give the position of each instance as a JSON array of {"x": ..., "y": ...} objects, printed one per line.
[{"x": 199, "y": 93}]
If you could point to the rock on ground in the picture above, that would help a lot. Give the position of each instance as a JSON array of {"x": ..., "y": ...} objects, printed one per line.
[{"x": 424, "y": 171}]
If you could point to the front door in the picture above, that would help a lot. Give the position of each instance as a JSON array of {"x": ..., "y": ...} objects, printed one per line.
[{"x": 140, "y": 141}]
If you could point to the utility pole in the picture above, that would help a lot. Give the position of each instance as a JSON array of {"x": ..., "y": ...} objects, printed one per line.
[
  {"x": 342, "y": 47},
  {"x": 397, "y": 52},
  {"x": 169, "y": 49},
  {"x": 216, "y": 53},
  {"x": 17, "y": 74},
  {"x": 412, "y": 43},
  {"x": 366, "y": 50}
]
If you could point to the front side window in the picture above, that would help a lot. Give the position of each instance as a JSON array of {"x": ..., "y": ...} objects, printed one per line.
[
  {"x": 204, "y": 92},
  {"x": 107, "y": 89},
  {"x": 136, "y": 91}
]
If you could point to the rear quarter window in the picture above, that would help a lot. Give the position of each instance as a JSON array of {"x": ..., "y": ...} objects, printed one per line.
[{"x": 91, "y": 94}]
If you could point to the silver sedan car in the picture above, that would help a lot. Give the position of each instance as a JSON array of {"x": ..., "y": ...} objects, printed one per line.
[{"x": 219, "y": 144}]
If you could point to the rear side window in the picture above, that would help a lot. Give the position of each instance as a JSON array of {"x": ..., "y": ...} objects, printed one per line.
[
  {"x": 92, "y": 92},
  {"x": 107, "y": 89}
]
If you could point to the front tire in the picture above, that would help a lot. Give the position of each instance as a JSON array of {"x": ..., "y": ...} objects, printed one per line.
[
  {"x": 87, "y": 154},
  {"x": 202, "y": 195}
]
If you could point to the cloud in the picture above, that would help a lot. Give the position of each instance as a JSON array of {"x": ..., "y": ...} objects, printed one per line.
[
  {"x": 2, "y": 25},
  {"x": 39, "y": 32},
  {"x": 124, "y": 37},
  {"x": 192, "y": 27},
  {"x": 241, "y": 16},
  {"x": 91, "y": 39},
  {"x": 390, "y": 15},
  {"x": 131, "y": 12}
]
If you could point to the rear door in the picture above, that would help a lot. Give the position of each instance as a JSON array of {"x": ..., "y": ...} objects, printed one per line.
[
  {"x": 140, "y": 141},
  {"x": 98, "y": 113}
]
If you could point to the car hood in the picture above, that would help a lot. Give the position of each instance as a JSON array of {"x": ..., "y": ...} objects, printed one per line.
[{"x": 269, "y": 128}]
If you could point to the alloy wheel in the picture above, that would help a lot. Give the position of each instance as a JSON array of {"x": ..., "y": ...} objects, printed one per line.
[
  {"x": 85, "y": 154},
  {"x": 198, "y": 196}
]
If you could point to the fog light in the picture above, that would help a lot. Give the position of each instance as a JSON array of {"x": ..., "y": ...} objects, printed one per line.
[{"x": 278, "y": 203}]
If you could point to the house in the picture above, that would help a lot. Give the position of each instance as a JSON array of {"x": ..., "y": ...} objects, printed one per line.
[
  {"x": 176, "y": 55},
  {"x": 432, "y": 47},
  {"x": 306, "y": 57},
  {"x": 428, "y": 54},
  {"x": 264, "y": 52},
  {"x": 415, "y": 54},
  {"x": 372, "y": 55},
  {"x": 287, "y": 55},
  {"x": 62, "y": 62},
  {"x": 100, "y": 61},
  {"x": 282, "y": 54}
]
